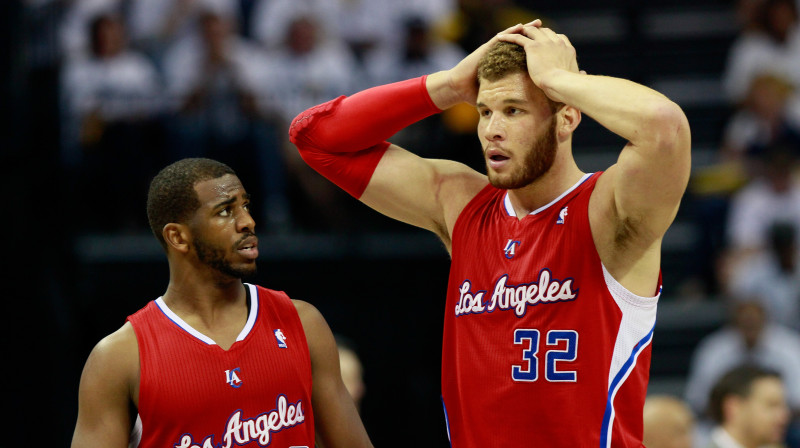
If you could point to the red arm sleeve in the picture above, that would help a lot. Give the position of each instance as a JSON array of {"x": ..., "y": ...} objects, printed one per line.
[{"x": 344, "y": 139}]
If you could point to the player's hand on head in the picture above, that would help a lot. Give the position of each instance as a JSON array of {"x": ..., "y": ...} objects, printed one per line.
[
  {"x": 545, "y": 50},
  {"x": 463, "y": 77}
]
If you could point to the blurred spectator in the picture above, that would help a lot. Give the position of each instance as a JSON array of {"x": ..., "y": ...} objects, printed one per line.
[
  {"x": 749, "y": 338},
  {"x": 158, "y": 24},
  {"x": 213, "y": 81},
  {"x": 475, "y": 21},
  {"x": 74, "y": 29},
  {"x": 111, "y": 133},
  {"x": 770, "y": 113},
  {"x": 363, "y": 25},
  {"x": 420, "y": 52},
  {"x": 769, "y": 42},
  {"x": 307, "y": 70},
  {"x": 773, "y": 196},
  {"x": 352, "y": 369},
  {"x": 272, "y": 19},
  {"x": 748, "y": 405},
  {"x": 668, "y": 422},
  {"x": 773, "y": 278}
]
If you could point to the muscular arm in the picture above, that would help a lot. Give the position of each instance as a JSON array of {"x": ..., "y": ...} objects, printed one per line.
[
  {"x": 652, "y": 171},
  {"x": 335, "y": 416},
  {"x": 637, "y": 198},
  {"x": 106, "y": 389},
  {"x": 344, "y": 140}
]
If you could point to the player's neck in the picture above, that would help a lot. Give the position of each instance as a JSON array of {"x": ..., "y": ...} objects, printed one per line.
[
  {"x": 560, "y": 178},
  {"x": 204, "y": 297}
]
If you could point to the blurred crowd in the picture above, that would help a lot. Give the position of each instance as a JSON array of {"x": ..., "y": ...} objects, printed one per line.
[{"x": 145, "y": 82}]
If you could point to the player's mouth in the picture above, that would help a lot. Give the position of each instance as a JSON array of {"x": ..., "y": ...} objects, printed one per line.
[
  {"x": 496, "y": 159},
  {"x": 248, "y": 248}
]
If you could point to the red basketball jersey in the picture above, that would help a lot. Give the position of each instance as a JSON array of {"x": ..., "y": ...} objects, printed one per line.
[
  {"x": 542, "y": 347},
  {"x": 194, "y": 394}
]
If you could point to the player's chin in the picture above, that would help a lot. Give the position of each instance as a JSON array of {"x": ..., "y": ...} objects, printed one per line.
[{"x": 245, "y": 270}]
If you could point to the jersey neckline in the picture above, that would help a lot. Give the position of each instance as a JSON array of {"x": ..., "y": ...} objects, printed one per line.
[
  {"x": 252, "y": 298},
  {"x": 510, "y": 209}
]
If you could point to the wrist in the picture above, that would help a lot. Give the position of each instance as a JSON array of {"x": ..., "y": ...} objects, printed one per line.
[
  {"x": 443, "y": 91},
  {"x": 550, "y": 80}
]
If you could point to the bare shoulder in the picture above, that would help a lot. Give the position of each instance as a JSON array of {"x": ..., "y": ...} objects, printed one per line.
[
  {"x": 308, "y": 313},
  {"x": 313, "y": 322},
  {"x": 320, "y": 340},
  {"x": 427, "y": 193},
  {"x": 116, "y": 354}
]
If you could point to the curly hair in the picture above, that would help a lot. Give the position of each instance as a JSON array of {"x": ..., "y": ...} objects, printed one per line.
[
  {"x": 503, "y": 59},
  {"x": 172, "y": 197}
]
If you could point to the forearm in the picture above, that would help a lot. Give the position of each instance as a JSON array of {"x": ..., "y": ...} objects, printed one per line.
[
  {"x": 362, "y": 120},
  {"x": 640, "y": 115},
  {"x": 344, "y": 139}
]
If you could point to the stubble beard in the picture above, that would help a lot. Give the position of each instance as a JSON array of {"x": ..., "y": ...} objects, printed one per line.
[
  {"x": 538, "y": 161},
  {"x": 214, "y": 257}
]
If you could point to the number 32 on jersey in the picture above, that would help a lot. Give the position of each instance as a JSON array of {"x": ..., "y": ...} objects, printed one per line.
[{"x": 560, "y": 347}]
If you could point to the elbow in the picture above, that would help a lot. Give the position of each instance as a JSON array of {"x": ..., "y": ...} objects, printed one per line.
[{"x": 668, "y": 127}]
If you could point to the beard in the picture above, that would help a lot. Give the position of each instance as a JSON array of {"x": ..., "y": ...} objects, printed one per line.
[
  {"x": 214, "y": 257},
  {"x": 538, "y": 161}
]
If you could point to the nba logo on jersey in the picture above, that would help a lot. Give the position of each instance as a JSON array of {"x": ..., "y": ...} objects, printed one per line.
[
  {"x": 232, "y": 378},
  {"x": 281, "y": 338},
  {"x": 561, "y": 216},
  {"x": 511, "y": 248}
]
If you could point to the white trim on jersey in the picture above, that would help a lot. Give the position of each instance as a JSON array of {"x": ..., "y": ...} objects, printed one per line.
[
  {"x": 136, "y": 433},
  {"x": 635, "y": 333},
  {"x": 251, "y": 318},
  {"x": 510, "y": 208}
]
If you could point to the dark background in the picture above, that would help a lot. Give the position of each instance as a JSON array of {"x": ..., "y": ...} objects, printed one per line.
[{"x": 382, "y": 286}]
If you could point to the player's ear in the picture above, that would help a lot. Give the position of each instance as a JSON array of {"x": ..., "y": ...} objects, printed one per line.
[
  {"x": 177, "y": 236},
  {"x": 568, "y": 120}
]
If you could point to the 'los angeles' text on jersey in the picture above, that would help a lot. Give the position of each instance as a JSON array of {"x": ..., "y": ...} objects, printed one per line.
[
  {"x": 537, "y": 331},
  {"x": 518, "y": 298},
  {"x": 194, "y": 394}
]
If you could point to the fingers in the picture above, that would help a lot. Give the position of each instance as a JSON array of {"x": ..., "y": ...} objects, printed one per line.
[{"x": 514, "y": 38}]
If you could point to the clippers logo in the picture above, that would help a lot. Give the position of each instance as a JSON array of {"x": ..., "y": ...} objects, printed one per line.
[
  {"x": 511, "y": 248},
  {"x": 281, "y": 338},
  {"x": 561, "y": 216},
  {"x": 232, "y": 378}
]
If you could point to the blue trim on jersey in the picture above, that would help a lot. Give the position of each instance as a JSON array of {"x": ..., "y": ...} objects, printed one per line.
[
  {"x": 605, "y": 432},
  {"x": 446, "y": 422}
]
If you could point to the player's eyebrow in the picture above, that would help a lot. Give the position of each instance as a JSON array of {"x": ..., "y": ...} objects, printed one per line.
[{"x": 505, "y": 101}]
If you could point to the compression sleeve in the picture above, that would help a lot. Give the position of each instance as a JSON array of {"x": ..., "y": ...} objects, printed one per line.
[{"x": 344, "y": 139}]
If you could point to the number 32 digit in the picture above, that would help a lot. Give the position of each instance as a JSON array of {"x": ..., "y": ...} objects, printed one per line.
[{"x": 529, "y": 370}]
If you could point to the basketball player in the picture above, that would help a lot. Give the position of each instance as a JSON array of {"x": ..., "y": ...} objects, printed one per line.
[
  {"x": 214, "y": 362},
  {"x": 555, "y": 273}
]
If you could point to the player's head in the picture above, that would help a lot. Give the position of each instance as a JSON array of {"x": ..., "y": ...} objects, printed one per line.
[
  {"x": 518, "y": 124},
  {"x": 749, "y": 402},
  {"x": 504, "y": 59},
  {"x": 198, "y": 206},
  {"x": 668, "y": 422}
]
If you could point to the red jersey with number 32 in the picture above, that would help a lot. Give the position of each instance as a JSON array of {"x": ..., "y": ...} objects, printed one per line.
[{"x": 542, "y": 347}]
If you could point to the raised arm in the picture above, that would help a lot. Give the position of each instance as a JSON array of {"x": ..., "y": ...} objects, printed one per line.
[
  {"x": 344, "y": 140},
  {"x": 104, "y": 397},
  {"x": 654, "y": 165},
  {"x": 335, "y": 415},
  {"x": 637, "y": 199}
]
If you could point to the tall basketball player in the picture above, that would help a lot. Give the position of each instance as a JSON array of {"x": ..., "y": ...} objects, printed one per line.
[
  {"x": 214, "y": 362},
  {"x": 555, "y": 273}
]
